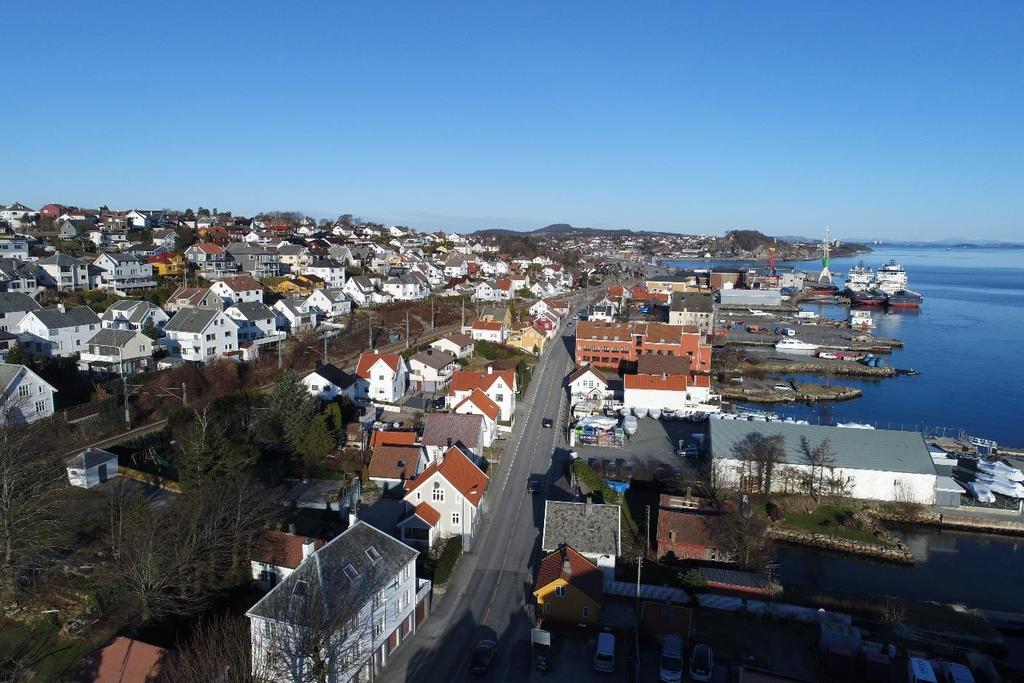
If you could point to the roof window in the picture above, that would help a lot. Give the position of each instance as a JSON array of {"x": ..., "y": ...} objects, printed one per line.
[
  {"x": 373, "y": 554},
  {"x": 351, "y": 572}
]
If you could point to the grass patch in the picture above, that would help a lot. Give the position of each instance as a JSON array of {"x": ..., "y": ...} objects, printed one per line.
[
  {"x": 438, "y": 568},
  {"x": 38, "y": 645},
  {"x": 832, "y": 520}
]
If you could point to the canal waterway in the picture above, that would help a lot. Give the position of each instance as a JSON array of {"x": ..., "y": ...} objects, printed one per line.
[{"x": 967, "y": 341}]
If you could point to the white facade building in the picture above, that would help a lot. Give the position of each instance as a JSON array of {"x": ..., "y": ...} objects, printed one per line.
[
  {"x": 26, "y": 397},
  {"x": 200, "y": 335},
  {"x": 51, "y": 332}
]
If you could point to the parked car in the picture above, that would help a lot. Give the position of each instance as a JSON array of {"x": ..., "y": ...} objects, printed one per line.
[
  {"x": 702, "y": 663},
  {"x": 483, "y": 655},
  {"x": 604, "y": 655},
  {"x": 547, "y": 423},
  {"x": 783, "y": 387},
  {"x": 670, "y": 668}
]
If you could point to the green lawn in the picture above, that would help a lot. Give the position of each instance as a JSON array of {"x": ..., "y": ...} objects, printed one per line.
[{"x": 830, "y": 520}]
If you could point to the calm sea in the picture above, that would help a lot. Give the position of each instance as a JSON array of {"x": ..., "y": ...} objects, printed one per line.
[{"x": 967, "y": 341}]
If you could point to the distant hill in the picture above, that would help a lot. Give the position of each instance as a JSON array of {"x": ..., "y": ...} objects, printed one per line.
[{"x": 562, "y": 230}]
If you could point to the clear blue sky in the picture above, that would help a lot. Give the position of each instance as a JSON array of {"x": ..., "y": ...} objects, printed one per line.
[{"x": 892, "y": 119}]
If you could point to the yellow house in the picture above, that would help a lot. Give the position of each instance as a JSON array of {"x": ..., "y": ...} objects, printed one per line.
[
  {"x": 569, "y": 588},
  {"x": 497, "y": 314},
  {"x": 528, "y": 339},
  {"x": 289, "y": 287},
  {"x": 168, "y": 264}
]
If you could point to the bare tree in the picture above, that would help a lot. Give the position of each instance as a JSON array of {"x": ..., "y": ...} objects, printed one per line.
[
  {"x": 759, "y": 455},
  {"x": 820, "y": 459},
  {"x": 741, "y": 535},
  {"x": 219, "y": 650},
  {"x": 30, "y": 498}
]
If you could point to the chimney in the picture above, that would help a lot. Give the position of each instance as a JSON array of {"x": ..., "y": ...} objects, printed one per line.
[
  {"x": 353, "y": 516},
  {"x": 588, "y": 508},
  {"x": 566, "y": 565},
  {"x": 291, "y": 528},
  {"x": 60, "y": 307},
  {"x": 307, "y": 548},
  {"x": 490, "y": 369}
]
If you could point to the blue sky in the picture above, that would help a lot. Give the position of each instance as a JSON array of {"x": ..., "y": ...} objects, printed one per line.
[{"x": 882, "y": 119}]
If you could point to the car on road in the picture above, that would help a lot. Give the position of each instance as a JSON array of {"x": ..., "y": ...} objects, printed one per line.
[
  {"x": 483, "y": 655},
  {"x": 604, "y": 655},
  {"x": 533, "y": 485},
  {"x": 547, "y": 423},
  {"x": 702, "y": 663}
]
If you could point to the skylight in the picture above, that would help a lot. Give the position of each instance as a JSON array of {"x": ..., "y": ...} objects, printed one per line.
[
  {"x": 351, "y": 572},
  {"x": 372, "y": 553}
]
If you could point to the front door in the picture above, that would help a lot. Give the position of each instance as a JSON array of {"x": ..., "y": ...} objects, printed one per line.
[{"x": 103, "y": 472}]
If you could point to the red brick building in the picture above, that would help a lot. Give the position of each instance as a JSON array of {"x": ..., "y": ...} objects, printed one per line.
[{"x": 618, "y": 345}]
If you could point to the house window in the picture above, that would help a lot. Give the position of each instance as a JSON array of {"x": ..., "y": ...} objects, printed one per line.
[
  {"x": 586, "y": 612},
  {"x": 40, "y": 406},
  {"x": 23, "y": 391},
  {"x": 455, "y": 519},
  {"x": 438, "y": 495},
  {"x": 559, "y": 591}
]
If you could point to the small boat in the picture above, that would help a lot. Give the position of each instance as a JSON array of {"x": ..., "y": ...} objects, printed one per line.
[
  {"x": 998, "y": 468},
  {"x": 630, "y": 425},
  {"x": 980, "y": 492},
  {"x": 795, "y": 346},
  {"x": 655, "y": 413},
  {"x": 855, "y": 425},
  {"x": 668, "y": 413},
  {"x": 995, "y": 484},
  {"x": 640, "y": 412}
]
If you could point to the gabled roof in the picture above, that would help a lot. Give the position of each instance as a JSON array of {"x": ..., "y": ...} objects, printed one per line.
[
  {"x": 487, "y": 325},
  {"x": 111, "y": 337},
  {"x": 459, "y": 471},
  {"x": 577, "y": 571},
  {"x": 467, "y": 380},
  {"x": 240, "y": 283},
  {"x": 13, "y": 302},
  {"x": 208, "y": 247},
  {"x": 59, "y": 259},
  {"x": 651, "y": 364},
  {"x": 127, "y": 661},
  {"x": 426, "y": 512},
  {"x": 483, "y": 402},
  {"x": 191, "y": 320},
  {"x": 90, "y": 457},
  {"x": 281, "y": 549},
  {"x": 394, "y": 462},
  {"x": 583, "y": 370},
  {"x": 457, "y": 338},
  {"x": 324, "y": 584},
  {"x": 193, "y": 294},
  {"x": 433, "y": 358},
  {"x": 439, "y": 428},
  {"x": 368, "y": 359},
  {"x": 53, "y": 319},
  {"x": 254, "y": 310},
  {"x": 334, "y": 375},
  {"x": 133, "y": 310}
]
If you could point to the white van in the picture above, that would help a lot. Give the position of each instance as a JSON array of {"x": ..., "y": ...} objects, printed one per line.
[
  {"x": 604, "y": 657},
  {"x": 920, "y": 671},
  {"x": 670, "y": 669}
]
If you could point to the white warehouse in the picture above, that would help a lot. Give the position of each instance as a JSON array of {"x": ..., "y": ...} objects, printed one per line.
[{"x": 879, "y": 464}]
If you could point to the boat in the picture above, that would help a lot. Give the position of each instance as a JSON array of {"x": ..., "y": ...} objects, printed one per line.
[
  {"x": 668, "y": 413},
  {"x": 867, "y": 298},
  {"x": 861, "y": 319},
  {"x": 640, "y": 412},
  {"x": 891, "y": 278},
  {"x": 630, "y": 425},
  {"x": 997, "y": 484},
  {"x": 904, "y": 298},
  {"x": 795, "y": 346},
  {"x": 1000, "y": 469},
  {"x": 855, "y": 425},
  {"x": 654, "y": 412},
  {"x": 981, "y": 493},
  {"x": 860, "y": 278}
]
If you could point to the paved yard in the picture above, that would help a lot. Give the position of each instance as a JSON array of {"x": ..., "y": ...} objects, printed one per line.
[{"x": 651, "y": 449}]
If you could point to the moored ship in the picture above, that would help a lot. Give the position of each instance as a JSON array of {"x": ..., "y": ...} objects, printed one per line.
[
  {"x": 904, "y": 298},
  {"x": 867, "y": 298}
]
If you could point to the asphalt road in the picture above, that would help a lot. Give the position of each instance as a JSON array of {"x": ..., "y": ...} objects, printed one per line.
[{"x": 491, "y": 588}]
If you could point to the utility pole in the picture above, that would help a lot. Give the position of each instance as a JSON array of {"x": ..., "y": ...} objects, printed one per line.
[
  {"x": 647, "y": 532},
  {"x": 431, "y": 312},
  {"x": 280, "y": 361},
  {"x": 369, "y": 331},
  {"x": 407, "y": 329},
  {"x": 463, "y": 315},
  {"x": 325, "y": 348},
  {"x": 184, "y": 395}
]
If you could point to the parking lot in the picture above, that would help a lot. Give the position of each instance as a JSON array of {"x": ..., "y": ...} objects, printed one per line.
[{"x": 651, "y": 452}]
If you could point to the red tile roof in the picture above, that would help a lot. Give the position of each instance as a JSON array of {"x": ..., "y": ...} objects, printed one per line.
[
  {"x": 368, "y": 359},
  {"x": 459, "y": 339},
  {"x": 459, "y": 471},
  {"x": 690, "y": 527},
  {"x": 565, "y": 563},
  {"x": 503, "y": 283},
  {"x": 483, "y": 402},
  {"x": 427, "y": 513},
  {"x": 394, "y": 462},
  {"x": 396, "y": 438},
  {"x": 487, "y": 325},
  {"x": 657, "y": 382},
  {"x": 127, "y": 661},
  {"x": 209, "y": 247},
  {"x": 467, "y": 380},
  {"x": 281, "y": 549}
]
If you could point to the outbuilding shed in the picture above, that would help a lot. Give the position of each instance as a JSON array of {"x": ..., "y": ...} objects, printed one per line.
[{"x": 91, "y": 467}]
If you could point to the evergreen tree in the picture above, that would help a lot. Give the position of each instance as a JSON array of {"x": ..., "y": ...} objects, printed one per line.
[
  {"x": 150, "y": 330},
  {"x": 334, "y": 417},
  {"x": 317, "y": 441},
  {"x": 208, "y": 453},
  {"x": 16, "y": 354},
  {"x": 291, "y": 408}
]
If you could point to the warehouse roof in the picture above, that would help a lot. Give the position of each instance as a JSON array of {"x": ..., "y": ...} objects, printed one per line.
[{"x": 861, "y": 449}]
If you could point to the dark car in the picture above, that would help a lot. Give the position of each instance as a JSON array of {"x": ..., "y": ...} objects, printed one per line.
[
  {"x": 547, "y": 423},
  {"x": 533, "y": 485},
  {"x": 483, "y": 653},
  {"x": 702, "y": 662}
]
